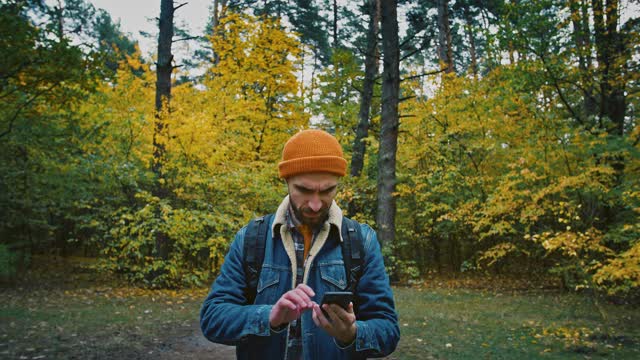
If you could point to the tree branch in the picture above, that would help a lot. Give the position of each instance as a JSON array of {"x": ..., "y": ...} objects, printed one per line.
[
  {"x": 21, "y": 107},
  {"x": 365, "y": 53},
  {"x": 411, "y": 54},
  {"x": 406, "y": 98},
  {"x": 565, "y": 102},
  {"x": 179, "y": 6},
  {"x": 406, "y": 41},
  {"x": 421, "y": 75},
  {"x": 356, "y": 88},
  {"x": 185, "y": 39}
]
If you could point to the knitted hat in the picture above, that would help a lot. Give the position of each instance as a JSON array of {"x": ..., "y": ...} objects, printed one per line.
[{"x": 312, "y": 151}]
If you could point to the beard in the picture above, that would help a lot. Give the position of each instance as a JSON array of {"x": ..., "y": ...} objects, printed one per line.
[{"x": 310, "y": 217}]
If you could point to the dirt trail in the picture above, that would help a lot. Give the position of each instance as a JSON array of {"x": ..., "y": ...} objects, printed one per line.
[{"x": 193, "y": 346}]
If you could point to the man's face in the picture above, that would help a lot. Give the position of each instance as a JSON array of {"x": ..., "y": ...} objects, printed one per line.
[{"x": 311, "y": 196}]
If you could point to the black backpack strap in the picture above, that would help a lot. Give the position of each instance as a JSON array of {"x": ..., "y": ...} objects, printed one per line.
[
  {"x": 352, "y": 252},
  {"x": 253, "y": 253}
]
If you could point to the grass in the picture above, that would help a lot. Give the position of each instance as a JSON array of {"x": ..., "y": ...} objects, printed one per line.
[
  {"x": 57, "y": 314},
  {"x": 483, "y": 324},
  {"x": 65, "y": 313}
]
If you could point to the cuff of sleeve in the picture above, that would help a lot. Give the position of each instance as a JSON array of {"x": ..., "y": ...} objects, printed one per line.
[
  {"x": 278, "y": 329},
  {"x": 361, "y": 342},
  {"x": 342, "y": 346},
  {"x": 261, "y": 320}
]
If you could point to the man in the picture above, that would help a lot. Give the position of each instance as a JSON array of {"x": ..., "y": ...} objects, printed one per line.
[{"x": 303, "y": 259}]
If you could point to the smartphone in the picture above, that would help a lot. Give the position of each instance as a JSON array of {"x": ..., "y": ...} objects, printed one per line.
[{"x": 342, "y": 298}]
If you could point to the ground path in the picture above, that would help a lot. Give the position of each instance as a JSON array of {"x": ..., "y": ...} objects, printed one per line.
[{"x": 192, "y": 346}]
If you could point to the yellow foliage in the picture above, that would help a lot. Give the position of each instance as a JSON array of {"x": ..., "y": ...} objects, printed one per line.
[{"x": 622, "y": 271}]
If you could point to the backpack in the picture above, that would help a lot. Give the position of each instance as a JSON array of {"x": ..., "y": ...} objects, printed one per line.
[{"x": 253, "y": 254}]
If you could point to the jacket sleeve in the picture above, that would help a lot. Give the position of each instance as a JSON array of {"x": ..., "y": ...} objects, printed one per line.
[
  {"x": 225, "y": 316},
  {"x": 378, "y": 332}
]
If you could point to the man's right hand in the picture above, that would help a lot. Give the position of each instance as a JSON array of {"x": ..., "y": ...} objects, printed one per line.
[{"x": 291, "y": 305}]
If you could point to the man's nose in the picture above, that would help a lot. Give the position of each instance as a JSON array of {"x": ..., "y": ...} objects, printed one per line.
[{"x": 315, "y": 204}]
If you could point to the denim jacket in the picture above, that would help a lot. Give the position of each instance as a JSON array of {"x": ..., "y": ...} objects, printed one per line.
[{"x": 226, "y": 317}]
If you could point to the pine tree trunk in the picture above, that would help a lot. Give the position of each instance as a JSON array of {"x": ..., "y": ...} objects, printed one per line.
[
  {"x": 616, "y": 102},
  {"x": 580, "y": 19},
  {"x": 386, "y": 210},
  {"x": 219, "y": 7},
  {"x": 370, "y": 72},
  {"x": 164, "y": 68},
  {"x": 445, "y": 50},
  {"x": 608, "y": 48},
  {"x": 472, "y": 41},
  {"x": 335, "y": 24}
]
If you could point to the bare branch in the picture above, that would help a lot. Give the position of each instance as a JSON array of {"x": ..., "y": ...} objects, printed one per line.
[
  {"x": 410, "y": 54},
  {"x": 406, "y": 98},
  {"x": 421, "y": 75},
  {"x": 406, "y": 41},
  {"x": 179, "y": 6},
  {"x": 365, "y": 53},
  {"x": 561, "y": 94},
  {"x": 185, "y": 39}
]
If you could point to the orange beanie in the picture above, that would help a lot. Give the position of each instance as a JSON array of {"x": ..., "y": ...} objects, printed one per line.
[{"x": 312, "y": 151}]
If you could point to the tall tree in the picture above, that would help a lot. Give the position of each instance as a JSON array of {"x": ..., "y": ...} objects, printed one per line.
[
  {"x": 164, "y": 68},
  {"x": 43, "y": 77},
  {"x": 366, "y": 96},
  {"x": 468, "y": 14},
  {"x": 609, "y": 51},
  {"x": 113, "y": 44},
  {"x": 370, "y": 72},
  {"x": 445, "y": 46},
  {"x": 335, "y": 24},
  {"x": 581, "y": 37},
  {"x": 386, "y": 207}
]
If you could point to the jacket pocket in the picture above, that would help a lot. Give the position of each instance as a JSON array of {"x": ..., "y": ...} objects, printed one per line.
[
  {"x": 333, "y": 275},
  {"x": 267, "y": 291}
]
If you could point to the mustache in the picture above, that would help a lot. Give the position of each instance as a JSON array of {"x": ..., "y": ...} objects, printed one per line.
[{"x": 309, "y": 211}]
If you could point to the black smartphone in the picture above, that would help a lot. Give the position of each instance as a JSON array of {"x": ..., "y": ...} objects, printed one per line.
[{"x": 342, "y": 298}]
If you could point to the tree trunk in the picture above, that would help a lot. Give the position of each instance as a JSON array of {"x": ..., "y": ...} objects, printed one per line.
[
  {"x": 472, "y": 41},
  {"x": 616, "y": 102},
  {"x": 219, "y": 7},
  {"x": 216, "y": 18},
  {"x": 445, "y": 50},
  {"x": 335, "y": 24},
  {"x": 608, "y": 48},
  {"x": 370, "y": 72},
  {"x": 580, "y": 19},
  {"x": 386, "y": 211},
  {"x": 164, "y": 68}
]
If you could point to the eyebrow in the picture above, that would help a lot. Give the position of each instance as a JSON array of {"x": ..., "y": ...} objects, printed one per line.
[{"x": 306, "y": 189}]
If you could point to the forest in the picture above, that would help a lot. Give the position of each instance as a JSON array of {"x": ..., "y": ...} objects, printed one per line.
[{"x": 483, "y": 137}]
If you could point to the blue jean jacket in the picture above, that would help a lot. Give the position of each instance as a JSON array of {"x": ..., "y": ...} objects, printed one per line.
[{"x": 226, "y": 317}]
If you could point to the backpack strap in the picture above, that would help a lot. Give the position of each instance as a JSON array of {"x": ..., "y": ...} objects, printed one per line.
[
  {"x": 253, "y": 253},
  {"x": 352, "y": 252}
]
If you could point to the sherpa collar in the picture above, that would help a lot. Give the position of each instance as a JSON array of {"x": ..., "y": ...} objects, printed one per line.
[{"x": 335, "y": 216}]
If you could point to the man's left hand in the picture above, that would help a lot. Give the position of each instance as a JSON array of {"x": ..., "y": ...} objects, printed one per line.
[{"x": 341, "y": 323}]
